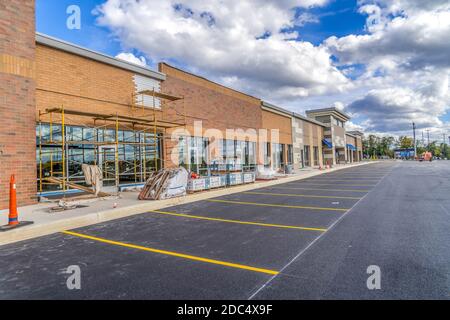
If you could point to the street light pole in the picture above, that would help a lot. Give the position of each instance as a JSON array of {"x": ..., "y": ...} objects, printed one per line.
[
  {"x": 414, "y": 134},
  {"x": 444, "y": 147}
]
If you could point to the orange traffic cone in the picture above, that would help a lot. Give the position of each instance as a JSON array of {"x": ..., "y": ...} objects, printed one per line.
[
  {"x": 13, "y": 215},
  {"x": 13, "y": 218}
]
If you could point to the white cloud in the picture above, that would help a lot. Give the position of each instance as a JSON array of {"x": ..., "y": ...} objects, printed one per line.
[
  {"x": 404, "y": 54},
  {"x": 394, "y": 109},
  {"x": 350, "y": 126},
  {"x": 235, "y": 40},
  {"x": 412, "y": 40},
  {"x": 306, "y": 17},
  {"x": 407, "y": 64},
  {"x": 129, "y": 57}
]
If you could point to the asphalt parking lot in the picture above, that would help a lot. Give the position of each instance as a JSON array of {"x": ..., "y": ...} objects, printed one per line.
[{"x": 261, "y": 244}]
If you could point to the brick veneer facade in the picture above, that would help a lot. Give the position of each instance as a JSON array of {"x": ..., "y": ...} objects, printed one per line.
[
  {"x": 17, "y": 100},
  {"x": 218, "y": 107},
  {"x": 82, "y": 84}
]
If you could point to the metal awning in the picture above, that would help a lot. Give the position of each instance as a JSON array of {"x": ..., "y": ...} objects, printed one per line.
[
  {"x": 327, "y": 143},
  {"x": 351, "y": 147}
]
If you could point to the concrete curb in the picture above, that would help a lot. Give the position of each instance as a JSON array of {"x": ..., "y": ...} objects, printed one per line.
[{"x": 43, "y": 229}]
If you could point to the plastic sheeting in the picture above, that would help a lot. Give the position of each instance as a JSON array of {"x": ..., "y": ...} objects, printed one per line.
[
  {"x": 263, "y": 173},
  {"x": 176, "y": 185}
]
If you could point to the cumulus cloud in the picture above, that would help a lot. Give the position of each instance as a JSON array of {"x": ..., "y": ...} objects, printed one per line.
[
  {"x": 413, "y": 39},
  {"x": 248, "y": 43},
  {"x": 406, "y": 62},
  {"x": 394, "y": 109},
  {"x": 394, "y": 73},
  {"x": 129, "y": 57}
]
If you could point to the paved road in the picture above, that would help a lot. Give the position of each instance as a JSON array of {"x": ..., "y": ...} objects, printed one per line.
[{"x": 310, "y": 239}]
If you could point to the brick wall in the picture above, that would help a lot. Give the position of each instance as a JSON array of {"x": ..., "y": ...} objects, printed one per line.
[
  {"x": 218, "y": 107},
  {"x": 274, "y": 121},
  {"x": 17, "y": 100},
  {"x": 78, "y": 83}
]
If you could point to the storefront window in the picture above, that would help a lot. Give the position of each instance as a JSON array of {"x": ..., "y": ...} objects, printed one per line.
[
  {"x": 249, "y": 156},
  {"x": 316, "y": 156},
  {"x": 131, "y": 153},
  {"x": 277, "y": 155},
  {"x": 193, "y": 154},
  {"x": 307, "y": 156},
  {"x": 290, "y": 154},
  {"x": 267, "y": 154}
]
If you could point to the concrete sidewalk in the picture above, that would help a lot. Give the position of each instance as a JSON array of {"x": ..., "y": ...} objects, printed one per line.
[{"x": 101, "y": 210}]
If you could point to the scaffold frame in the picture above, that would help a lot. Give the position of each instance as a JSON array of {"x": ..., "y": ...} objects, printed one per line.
[{"x": 144, "y": 120}]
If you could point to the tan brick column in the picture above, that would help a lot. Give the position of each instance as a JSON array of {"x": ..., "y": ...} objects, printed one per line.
[
  {"x": 17, "y": 101},
  {"x": 319, "y": 138}
]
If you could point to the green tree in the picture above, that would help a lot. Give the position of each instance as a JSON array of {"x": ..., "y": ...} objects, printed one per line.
[
  {"x": 445, "y": 150},
  {"x": 385, "y": 146},
  {"x": 405, "y": 142},
  {"x": 375, "y": 146}
]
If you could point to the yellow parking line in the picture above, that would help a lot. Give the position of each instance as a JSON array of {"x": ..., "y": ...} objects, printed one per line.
[
  {"x": 357, "y": 177},
  {"x": 346, "y": 180},
  {"x": 328, "y": 184},
  {"x": 278, "y": 205},
  {"x": 239, "y": 222},
  {"x": 301, "y": 195},
  {"x": 174, "y": 254},
  {"x": 316, "y": 189}
]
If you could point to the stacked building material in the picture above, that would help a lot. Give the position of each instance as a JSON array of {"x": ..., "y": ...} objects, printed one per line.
[{"x": 165, "y": 184}]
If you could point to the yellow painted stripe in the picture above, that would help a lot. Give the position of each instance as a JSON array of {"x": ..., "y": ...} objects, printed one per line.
[
  {"x": 328, "y": 184},
  {"x": 346, "y": 180},
  {"x": 316, "y": 189},
  {"x": 357, "y": 177},
  {"x": 301, "y": 195},
  {"x": 238, "y": 221},
  {"x": 174, "y": 254},
  {"x": 278, "y": 205}
]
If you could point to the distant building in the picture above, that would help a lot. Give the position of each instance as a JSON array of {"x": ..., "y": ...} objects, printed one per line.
[
  {"x": 335, "y": 138},
  {"x": 404, "y": 153}
]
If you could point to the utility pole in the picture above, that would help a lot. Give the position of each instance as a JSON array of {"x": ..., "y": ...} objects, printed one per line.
[
  {"x": 428, "y": 133},
  {"x": 444, "y": 147},
  {"x": 423, "y": 140},
  {"x": 414, "y": 135}
]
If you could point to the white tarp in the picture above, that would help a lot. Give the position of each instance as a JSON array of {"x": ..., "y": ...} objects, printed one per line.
[
  {"x": 177, "y": 184},
  {"x": 265, "y": 173}
]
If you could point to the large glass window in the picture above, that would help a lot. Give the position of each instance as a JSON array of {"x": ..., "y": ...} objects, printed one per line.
[
  {"x": 316, "y": 156},
  {"x": 249, "y": 156},
  {"x": 307, "y": 156},
  {"x": 266, "y": 154},
  {"x": 290, "y": 154},
  {"x": 193, "y": 154},
  {"x": 277, "y": 155},
  {"x": 138, "y": 153}
]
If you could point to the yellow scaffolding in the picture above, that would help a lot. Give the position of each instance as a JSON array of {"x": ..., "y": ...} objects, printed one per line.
[{"x": 150, "y": 120}]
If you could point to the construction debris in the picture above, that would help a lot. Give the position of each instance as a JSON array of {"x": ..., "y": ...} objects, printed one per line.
[
  {"x": 165, "y": 184},
  {"x": 93, "y": 176},
  {"x": 76, "y": 186},
  {"x": 64, "y": 206},
  {"x": 265, "y": 173}
]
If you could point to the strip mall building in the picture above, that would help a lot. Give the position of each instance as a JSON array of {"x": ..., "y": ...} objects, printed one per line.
[{"x": 62, "y": 106}]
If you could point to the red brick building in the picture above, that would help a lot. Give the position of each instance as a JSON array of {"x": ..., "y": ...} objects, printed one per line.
[
  {"x": 17, "y": 100},
  {"x": 62, "y": 106}
]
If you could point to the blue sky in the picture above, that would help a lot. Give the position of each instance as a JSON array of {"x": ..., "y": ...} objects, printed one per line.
[
  {"x": 338, "y": 18},
  {"x": 383, "y": 61},
  {"x": 51, "y": 20}
]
